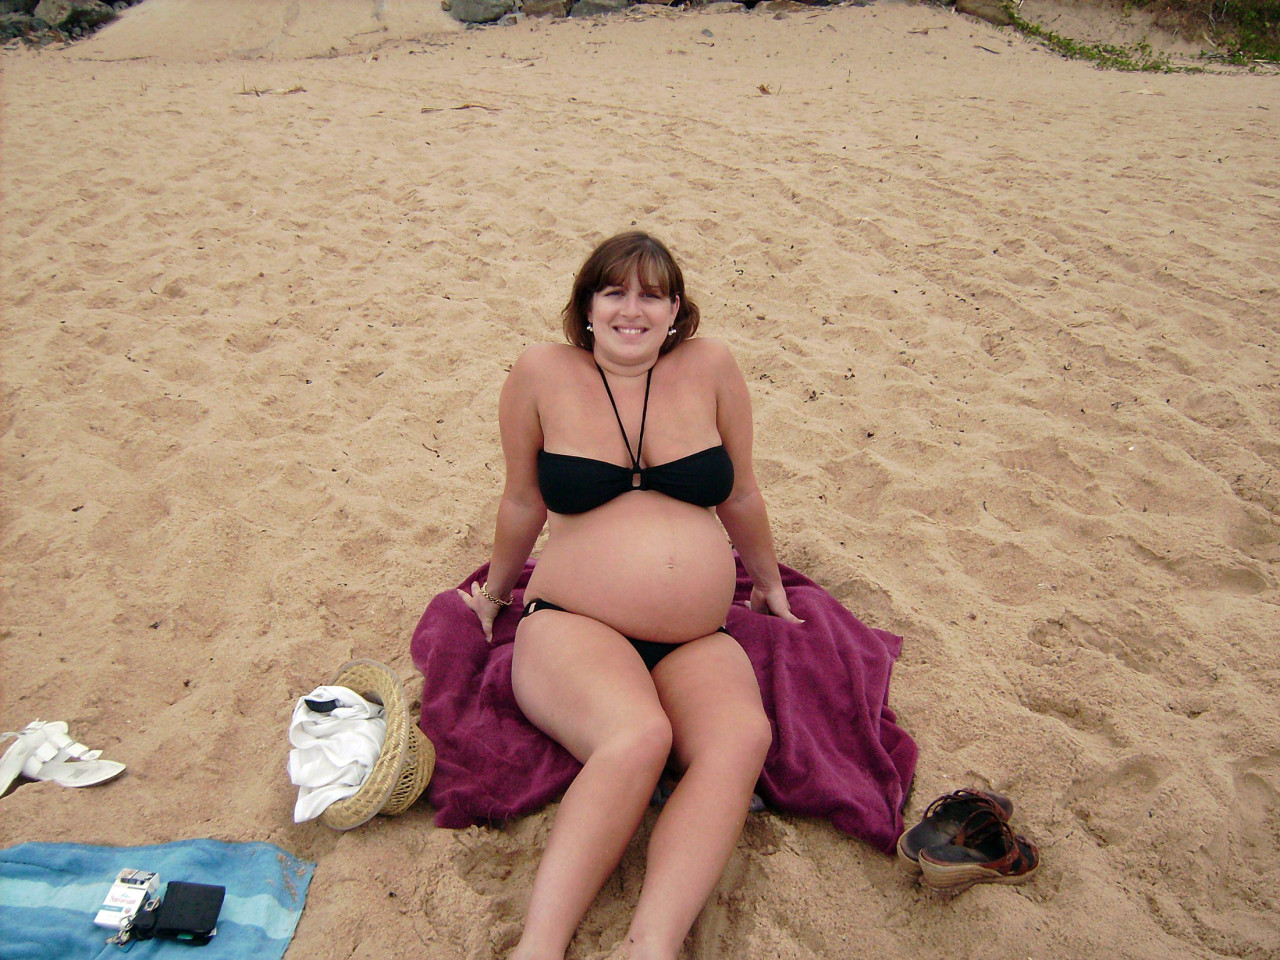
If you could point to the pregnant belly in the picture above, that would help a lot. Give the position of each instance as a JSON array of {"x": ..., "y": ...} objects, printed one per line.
[{"x": 649, "y": 566}]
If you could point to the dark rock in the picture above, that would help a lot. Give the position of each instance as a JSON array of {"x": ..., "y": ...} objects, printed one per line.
[
  {"x": 593, "y": 8},
  {"x": 18, "y": 6},
  {"x": 16, "y": 25},
  {"x": 545, "y": 8},
  {"x": 480, "y": 11},
  {"x": 992, "y": 11},
  {"x": 67, "y": 14}
]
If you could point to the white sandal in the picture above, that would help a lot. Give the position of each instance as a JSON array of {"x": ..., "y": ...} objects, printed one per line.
[
  {"x": 45, "y": 751},
  {"x": 14, "y": 758}
]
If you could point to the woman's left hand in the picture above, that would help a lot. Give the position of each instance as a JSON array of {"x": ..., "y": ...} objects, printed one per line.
[
  {"x": 485, "y": 609},
  {"x": 773, "y": 601}
]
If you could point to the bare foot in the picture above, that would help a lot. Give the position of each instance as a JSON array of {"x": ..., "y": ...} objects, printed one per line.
[{"x": 628, "y": 949}]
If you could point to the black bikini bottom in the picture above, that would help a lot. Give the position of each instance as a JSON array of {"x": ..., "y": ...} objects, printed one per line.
[{"x": 650, "y": 651}]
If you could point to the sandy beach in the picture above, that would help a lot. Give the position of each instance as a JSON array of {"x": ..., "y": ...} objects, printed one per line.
[{"x": 1012, "y": 330}]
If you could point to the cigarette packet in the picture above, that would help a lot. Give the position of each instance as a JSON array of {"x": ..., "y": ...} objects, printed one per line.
[{"x": 130, "y": 890}]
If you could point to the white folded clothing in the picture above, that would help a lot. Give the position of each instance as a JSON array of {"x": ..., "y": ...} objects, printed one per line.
[{"x": 334, "y": 750}]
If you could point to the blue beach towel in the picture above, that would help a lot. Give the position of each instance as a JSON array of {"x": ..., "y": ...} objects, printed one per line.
[{"x": 50, "y": 892}]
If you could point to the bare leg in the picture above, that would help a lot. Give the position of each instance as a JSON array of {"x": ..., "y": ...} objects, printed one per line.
[
  {"x": 721, "y": 737},
  {"x": 583, "y": 684}
]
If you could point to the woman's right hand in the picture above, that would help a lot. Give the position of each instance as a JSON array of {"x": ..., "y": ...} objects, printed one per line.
[
  {"x": 772, "y": 600},
  {"x": 485, "y": 609}
]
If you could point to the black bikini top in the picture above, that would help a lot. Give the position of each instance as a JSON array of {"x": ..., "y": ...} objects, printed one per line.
[{"x": 577, "y": 484}]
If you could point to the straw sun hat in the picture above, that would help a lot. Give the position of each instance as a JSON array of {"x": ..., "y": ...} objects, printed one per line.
[{"x": 403, "y": 768}]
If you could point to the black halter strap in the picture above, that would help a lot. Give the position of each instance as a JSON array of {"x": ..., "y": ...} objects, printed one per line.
[{"x": 637, "y": 476}]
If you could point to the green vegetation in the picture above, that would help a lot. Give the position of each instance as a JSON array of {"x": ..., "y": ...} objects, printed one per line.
[
  {"x": 1245, "y": 31},
  {"x": 1248, "y": 29},
  {"x": 1139, "y": 57}
]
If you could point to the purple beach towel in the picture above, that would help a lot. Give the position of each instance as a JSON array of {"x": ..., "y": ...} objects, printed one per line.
[{"x": 837, "y": 749}]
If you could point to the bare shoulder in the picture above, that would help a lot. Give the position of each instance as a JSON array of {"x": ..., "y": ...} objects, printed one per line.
[
  {"x": 545, "y": 362},
  {"x": 706, "y": 347},
  {"x": 711, "y": 356},
  {"x": 539, "y": 355}
]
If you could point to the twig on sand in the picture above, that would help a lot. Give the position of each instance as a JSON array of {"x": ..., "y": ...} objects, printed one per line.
[
  {"x": 281, "y": 91},
  {"x": 462, "y": 106}
]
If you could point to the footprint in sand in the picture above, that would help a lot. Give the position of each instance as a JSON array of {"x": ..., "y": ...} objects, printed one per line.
[{"x": 1112, "y": 803}]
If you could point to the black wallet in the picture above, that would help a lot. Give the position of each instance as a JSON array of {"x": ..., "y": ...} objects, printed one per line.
[{"x": 187, "y": 912}]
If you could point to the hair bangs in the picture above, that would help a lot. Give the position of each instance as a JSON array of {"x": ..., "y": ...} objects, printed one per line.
[{"x": 649, "y": 268}]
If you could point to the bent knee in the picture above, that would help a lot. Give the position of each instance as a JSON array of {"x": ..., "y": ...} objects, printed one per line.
[
  {"x": 756, "y": 736},
  {"x": 644, "y": 741},
  {"x": 742, "y": 743},
  {"x": 651, "y": 737}
]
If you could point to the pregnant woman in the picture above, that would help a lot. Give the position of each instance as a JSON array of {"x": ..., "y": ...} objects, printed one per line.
[{"x": 632, "y": 443}]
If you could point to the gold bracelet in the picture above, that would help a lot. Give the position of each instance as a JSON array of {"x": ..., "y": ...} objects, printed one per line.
[{"x": 484, "y": 592}]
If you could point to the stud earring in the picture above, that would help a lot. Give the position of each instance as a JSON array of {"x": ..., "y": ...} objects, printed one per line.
[
  {"x": 589, "y": 329},
  {"x": 671, "y": 332}
]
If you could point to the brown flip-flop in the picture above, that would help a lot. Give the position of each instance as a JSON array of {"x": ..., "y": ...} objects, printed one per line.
[
  {"x": 943, "y": 819},
  {"x": 985, "y": 850}
]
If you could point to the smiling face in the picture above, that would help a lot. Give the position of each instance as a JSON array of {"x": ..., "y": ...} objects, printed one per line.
[
  {"x": 630, "y": 319},
  {"x": 628, "y": 288}
]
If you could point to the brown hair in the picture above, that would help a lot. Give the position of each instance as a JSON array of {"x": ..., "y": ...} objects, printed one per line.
[{"x": 610, "y": 264}]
